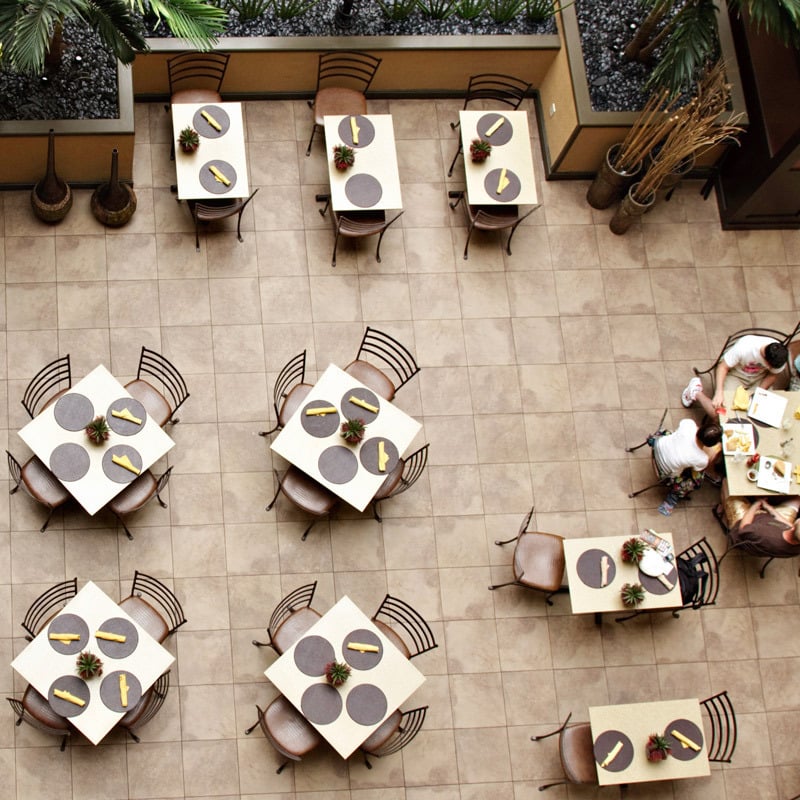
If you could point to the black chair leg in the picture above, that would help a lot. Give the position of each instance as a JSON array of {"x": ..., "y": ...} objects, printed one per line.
[
  {"x": 646, "y": 489},
  {"x": 63, "y": 743},
  {"x": 239, "y": 225},
  {"x": 323, "y": 198},
  {"x": 506, "y": 541},
  {"x": 281, "y": 767},
  {"x": 501, "y": 585},
  {"x": 548, "y": 785},
  {"x": 453, "y": 162},
  {"x": 272, "y": 502},
  {"x": 458, "y": 196},
  {"x": 134, "y": 737},
  {"x": 305, "y": 532},
  {"x": 335, "y": 245},
  {"x": 271, "y": 430},
  {"x": 466, "y": 246},
  {"x": 262, "y": 644},
  {"x": 253, "y": 726},
  {"x": 635, "y": 447},
  {"x": 766, "y": 564},
  {"x": 553, "y": 733},
  {"x": 313, "y": 132},
  {"x": 375, "y": 513}
]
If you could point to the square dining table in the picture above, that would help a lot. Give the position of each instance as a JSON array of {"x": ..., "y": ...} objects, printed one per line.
[
  {"x": 57, "y": 436},
  {"x": 48, "y": 664},
  {"x": 620, "y": 735},
  {"x": 373, "y": 182},
  {"x": 222, "y": 147},
  {"x": 312, "y": 442},
  {"x": 379, "y": 681}
]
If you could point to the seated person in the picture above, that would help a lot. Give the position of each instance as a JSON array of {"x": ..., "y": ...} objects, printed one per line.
[
  {"x": 684, "y": 456},
  {"x": 750, "y": 361}
]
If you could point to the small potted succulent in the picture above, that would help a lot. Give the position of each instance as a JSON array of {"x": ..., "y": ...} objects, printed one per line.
[
  {"x": 336, "y": 673},
  {"x": 479, "y": 150},
  {"x": 189, "y": 140},
  {"x": 97, "y": 430},
  {"x": 632, "y": 594},
  {"x": 88, "y": 665},
  {"x": 343, "y": 157},
  {"x": 633, "y": 550},
  {"x": 657, "y": 747},
  {"x": 353, "y": 430}
]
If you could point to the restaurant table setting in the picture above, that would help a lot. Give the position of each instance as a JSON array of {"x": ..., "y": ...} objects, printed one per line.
[{"x": 131, "y": 662}]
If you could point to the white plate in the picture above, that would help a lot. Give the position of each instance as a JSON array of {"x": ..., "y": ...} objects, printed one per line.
[
  {"x": 652, "y": 564},
  {"x": 741, "y": 436}
]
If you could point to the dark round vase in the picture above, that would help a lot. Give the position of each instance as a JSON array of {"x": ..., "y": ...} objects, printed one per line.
[
  {"x": 610, "y": 184},
  {"x": 113, "y": 203},
  {"x": 51, "y": 198},
  {"x": 630, "y": 209}
]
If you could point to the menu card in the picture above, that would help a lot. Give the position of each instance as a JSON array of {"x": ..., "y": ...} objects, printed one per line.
[{"x": 767, "y": 407}]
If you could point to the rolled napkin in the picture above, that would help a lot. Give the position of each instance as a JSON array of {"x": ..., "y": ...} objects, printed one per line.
[
  {"x": 685, "y": 741},
  {"x": 125, "y": 414},
  {"x": 218, "y": 175},
  {"x": 357, "y": 401},
  {"x": 70, "y": 698},
  {"x": 612, "y": 754},
  {"x": 125, "y": 463},
  {"x": 111, "y": 637},
  {"x": 796, "y": 474},
  {"x": 494, "y": 127},
  {"x": 65, "y": 637},
  {"x": 604, "y": 565},
  {"x": 797, "y": 413},
  {"x": 210, "y": 120},
  {"x": 383, "y": 456},
  {"x": 123, "y": 690},
  {"x": 741, "y": 400},
  {"x": 363, "y": 648},
  {"x": 320, "y": 412},
  {"x": 502, "y": 182},
  {"x": 354, "y": 129}
]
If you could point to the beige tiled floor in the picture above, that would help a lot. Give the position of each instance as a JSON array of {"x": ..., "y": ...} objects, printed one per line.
[{"x": 536, "y": 371}]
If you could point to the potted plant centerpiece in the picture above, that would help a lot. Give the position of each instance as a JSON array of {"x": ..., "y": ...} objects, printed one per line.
[
  {"x": 88, "y": 665},
  {"x": 343, "y": 157},
  {"x": 189, "y": 140},
  {"x": 337, "y": 673},
  {"x": 97, "y": 430},
  {"x": 353, "y": 430},
  {"x": 657, "y": 747},
  {"x": 633, "y": 550},
  {"x": 479, "y": 150},
  {"x": 632, "y": 594}
]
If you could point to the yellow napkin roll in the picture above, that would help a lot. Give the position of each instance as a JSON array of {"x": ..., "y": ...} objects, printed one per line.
[
  {"x": 125, "y": 414},
  {"x": 357, "y": 401},
  {"x": 502, "y": 182},
  {"x": 354, "y": 129},
  {"x": 210, "y": 120},
  {"x": 495, "y": 126},
  {"x": 685, "y": 741},
  {"x": 797, "y": 413},
  {"x": 123, "y": 690},
  {"x": 65, "y": 637},
  {"x": 604, "y": 565},
  {"x": 612, "y": 754},
  {"x": 796, "y": 473},
  {"x": 125, "y": 463},
  {"x": 741, "y": 400},
  {"x": 218, "y": 175},
  {"x": 111, "y": 637},
  {"x": 363, "y": 648},
  {"x": 383, "y": 456},
  {"x": 321, "y": 411},
  {"x": 70, "y": 698}
]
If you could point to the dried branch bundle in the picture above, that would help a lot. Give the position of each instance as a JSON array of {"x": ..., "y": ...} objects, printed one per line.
[{"x": 651, "y": 127}]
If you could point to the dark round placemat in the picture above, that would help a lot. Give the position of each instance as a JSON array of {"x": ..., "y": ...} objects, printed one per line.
[
  {"x": 654, "y": 585},
  {"x": 351, "y": 410},
  {"x": 512, "y": 190},
  {"x": 744, "y": 421},
  {"x": 338, "y": 464},
  {"x": 605, "y": 743},
  {"x": 366, "y": 132},
  {"x": 210, "y": 183},
  {"x": 69, "y": 461},
  {"x": 318, "y": 425},
  {"x": 690, "y": 731},
  {"x": 73, "y": 411},
  {"x": 123, "y": 426},
  {"x": 205, "y": 128},
  {"x": 68, "y": 623},
  {"x": 109, "y": 691},
  {"x": 321, "y": 704},
  {"x": 75, "y": 686},
  {"x": 369, "y": 455},
  {"x": 366, "y": 704},
  {"x": 502, "y": 135},
  {"x": 359, "y": 660},
  {"x": 588, "y": 568},
  {"x": 114, "y": 471},
  {"x": 312, "y": 654},
  {"x": 120, "y": 626},
  {"x": 363, "y": 190}
]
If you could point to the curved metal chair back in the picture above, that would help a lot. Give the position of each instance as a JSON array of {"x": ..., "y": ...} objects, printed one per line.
[
  {"x": 575, "y": 751},
  {"x": 155, "y": 365},
  {"x": 398, "y": 613},
  {"x": 723, "y": 727},
  {"x": 390, "y": 352},
  {"x": 358, "y": 224},
  {"x": 410, "y": 725},
  {"x": 702, "y": 558},
  {"x": 147, "y": 707},
  {"x": 146, "y": 586},
  {"x": 294, "y": 371},
  {"x": 350, "y": 68},
  {"x": 139, "y": 492},
  {"x": 489, "y": 218},
  {"x": 196, "y": 71},
  {"x": 39, "y": 392},
  {"x": 23, "y": 713},
  {"x": 413, "y": 467},
  {"x": 45, "y": 606},
  {"x": 306, "y": 493},
  {"x": 299, "y": 598},
  {"x": 213, "y": 210},
  {"x": 38, "y": 483}
]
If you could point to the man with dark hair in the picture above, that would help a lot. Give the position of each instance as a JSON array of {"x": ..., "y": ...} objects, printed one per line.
[{"x": 750, "y": 361}]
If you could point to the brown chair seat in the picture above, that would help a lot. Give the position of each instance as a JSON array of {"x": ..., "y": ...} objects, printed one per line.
[
  {"x": 391, "y": 481},
  {"x": 338, "y": 101},
  {"x": 196, "y": 96},
  {"x": 292, "y": 402},
  {"x": 154, "y": 402},
  {"x": 42, "y": 484},
  {"x": 373, "y": 377},
  {"x": 130, "y": 719},
  {"x": 287, "y": 730},
  {"x": 37, "y": 706},
  {"x": 383, "y": 732},
  {"x": 576, "y": 748},
  {"x": 136, "y": 495},
  {"x": 393, "y": 636},
  {"x": 307, "y": 494},
  {"x": 142, "y": 612},
  {"x": 293, "y": 628},
  {"x": 539, "y": 560}
]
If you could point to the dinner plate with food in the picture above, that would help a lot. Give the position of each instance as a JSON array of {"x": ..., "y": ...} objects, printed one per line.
[
  {"x": 737, "y": 437},
  {"x": 775, "y": 475}
]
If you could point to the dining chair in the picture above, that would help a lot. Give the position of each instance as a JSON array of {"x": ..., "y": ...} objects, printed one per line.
[
  {"x": 287, "y": 730},
  {"x": 489, "y": 218},
  {"x": 538, "y": 561},
  {"x": 161, "y": 409},
  {"x": 196, "y": 77},
  {"x": 343, "y": 79},
  {"x": 405, "y": 474},
  {"x": 393, "y": 734},
  {"x": 306, "y": 494},
  {"x": 659, "y": 481},
  {"x": 290, "y": 619},
  {"x": 39, "y": 483},
  {"x": 137, "y": 494},
  {"x": 722, "y": 717},
  {"x": 153, "y": 606},
  {"x": 212, "y": 210},
  {"x": 47, "y": 385},
  {"x": 148, "y": 706},
  {"x": 46, "y": 606},
  {"x": 387, "y": 350},
  {"x": 576, "y": 750},
  {"x": 494, "y": 88},
  {"x": 357, "y": 225},
  {"x": 37, "y": 712},
  {"x": 404, "y": 626},
  {"x": 289, "y": 391}
]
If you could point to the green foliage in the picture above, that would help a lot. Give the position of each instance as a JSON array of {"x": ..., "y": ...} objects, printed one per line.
[
  {"x": 504, "y": 10},
  {"x": 437, "y": 9},
  {"x": 540, "y": 10},
  {"x": 287, "y": 9},
  {"x": 248, "y": 9},
  {"x": 195, "y": 20},
  {"x": 397, "y": 9},
  {"x": 470, "y": 9}
]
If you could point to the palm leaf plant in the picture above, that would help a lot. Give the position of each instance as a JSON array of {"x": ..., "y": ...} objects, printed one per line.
[
  {"x": 632, "y": 594},
  {"x": 397, "y": 10},
  {"x": 337, "y": 673},
  {"x": 88, "y": 665},
  {"x": 470, "y": 9}
]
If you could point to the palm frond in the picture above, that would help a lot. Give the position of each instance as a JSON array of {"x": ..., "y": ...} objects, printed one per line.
[
  {"x": 118, "y": 28},
  {"x": 780, "y": 18},
  {"x": 195, "y": 20}
]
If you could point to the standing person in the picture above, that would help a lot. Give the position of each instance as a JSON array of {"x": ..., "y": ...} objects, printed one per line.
[{"x": 749, "y": 361}]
